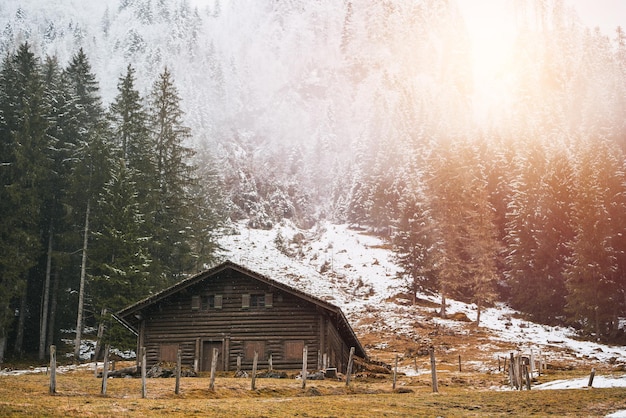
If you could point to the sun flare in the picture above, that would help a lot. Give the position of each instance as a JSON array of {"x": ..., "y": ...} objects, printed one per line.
[{"x": 491, "y": 28}]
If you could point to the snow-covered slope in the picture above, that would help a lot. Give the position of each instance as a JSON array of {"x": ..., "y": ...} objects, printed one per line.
[{"x": 355, "y": 271}]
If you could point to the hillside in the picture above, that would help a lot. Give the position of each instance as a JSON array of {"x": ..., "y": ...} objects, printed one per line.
[
  {"x": 371, "y": 114},
  {"x": 359, "y": 276}
]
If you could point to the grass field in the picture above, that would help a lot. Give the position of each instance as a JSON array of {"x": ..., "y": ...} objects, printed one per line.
[{"x": 460, "y": 395}]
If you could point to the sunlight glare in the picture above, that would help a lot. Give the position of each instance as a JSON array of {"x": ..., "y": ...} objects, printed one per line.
[{"x": 491, "y": 28}]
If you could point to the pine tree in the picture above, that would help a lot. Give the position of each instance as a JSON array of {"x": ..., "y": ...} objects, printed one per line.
[
  {"x": 55, "y": 223},
  {"x": 169, "y": 218},
  {"x": 89, "y": 153},
  {"x": 538, "y": 232},
  {"x": 415, "y": 245},
  {"x": 457, "y": 187},
  {"x": 207, "y": 210},
  {"x": 129, "y": 125},
  {"x": 23, "y": 164},
  {"x": 119, "y": 255},
  {"x": 120, "y": 251},
  {"x": 591, "y": 270}
]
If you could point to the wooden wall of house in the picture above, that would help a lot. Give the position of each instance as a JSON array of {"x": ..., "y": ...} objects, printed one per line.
[
  {"x": 337, "y": 349},
  {"x": 185, "y": 321}
]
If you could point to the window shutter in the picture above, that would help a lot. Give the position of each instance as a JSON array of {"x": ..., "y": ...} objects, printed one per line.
[
  {"x": 195, "y": 302},
  {"x": 268, "y": 300},
  {"x": 218, "y": 301},
  {"x": 245, "y": 300}
]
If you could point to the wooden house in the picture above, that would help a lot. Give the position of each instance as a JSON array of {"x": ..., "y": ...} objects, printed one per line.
[{"x": 238, "y": 311}]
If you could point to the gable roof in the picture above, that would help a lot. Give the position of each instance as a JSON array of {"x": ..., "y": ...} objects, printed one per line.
[{"x": 341, "y": 322}]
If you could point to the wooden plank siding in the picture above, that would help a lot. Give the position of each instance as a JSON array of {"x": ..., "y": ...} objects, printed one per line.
[
  {"x": 176, "y": 320},
  {"x": 235, "y": 310}
]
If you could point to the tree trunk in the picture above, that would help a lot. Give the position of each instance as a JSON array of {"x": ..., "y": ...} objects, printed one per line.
[
  {"x": 46, "y": 297},
  {"x": 100, "y": 335},
  {"x": 19, "y": 338},
  {"x": 3, "y": 344},
  {"x": 81, "y": 291},
  {"x": 443, "y": 306},
  {"x": 53, "y": 309},
  {"x": 479, "y": 310},
  {"x": 596, "y": 315}
]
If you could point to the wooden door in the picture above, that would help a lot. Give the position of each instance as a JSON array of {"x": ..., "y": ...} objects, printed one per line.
[{"x": 207, "y": 355}]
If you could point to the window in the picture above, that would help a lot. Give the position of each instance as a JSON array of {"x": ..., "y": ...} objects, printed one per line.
[
  {"x": 256, "y": 300},
  {"x": 293, "y": 349},
  {"x": 206, "y": 302},
  {"x": 249, "y": 347},
  {"x": 212, "y": 302}
]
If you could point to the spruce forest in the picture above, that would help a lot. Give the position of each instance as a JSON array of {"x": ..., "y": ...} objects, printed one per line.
[
  {"x": 126, "y": 149},
  {"x": 100, "y": 207}
]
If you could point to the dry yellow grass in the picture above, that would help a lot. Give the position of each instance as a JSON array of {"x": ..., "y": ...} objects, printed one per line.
[
  {"x": 461, "y": 394},
  {"x": 477, "y": 391}
]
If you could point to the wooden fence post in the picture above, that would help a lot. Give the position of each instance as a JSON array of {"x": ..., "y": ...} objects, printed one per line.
[
  {"x": 350, "y": 362},
  {"x": 53, "y": 369},
  {"x": 593, "y": 374},
  {"x": 99, "y": 341},
  {"x": 519, "y": 372},
  {"x": 254, "y": 364},
  {"x": 433, "y": 369},
  {"x": 196, "y": 357},
  {"x": 395, "y": 373},
  {"x": 512, "y": 377},
  {"x": 270, "y": 362},
  {"x": 216, "y": 353},
  {"x": 527, "y": 374},
  {"x": 105, "y": 370},
  {"x": 178, "y": 367},
  {"x": 143, "y": 373},
  {"x": 305, "y": 355},
  {"x": 460, "y": 363}
]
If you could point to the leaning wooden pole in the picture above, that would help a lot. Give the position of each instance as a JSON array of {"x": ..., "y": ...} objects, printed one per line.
[
  {"x": 350, "y": 363},
  {"x": 43, "y": 327},
  {"x": 254, "y": 364},
  {"x": 395, "y": 373},
  {"x": 216, "y": 353},
  {"x": 53, "y": 369},
  {"x": 99, "y": 337},
  {"x": 178, "y": 367},
  {"x": 591, "y": 376},
  {"x": 81, "y": 289},
  {"x": 144, "y": 393},
  {"x": 305, "y": 355},
  {"x": 105, "y": 370},
  {"x": 433, "y": 369}
]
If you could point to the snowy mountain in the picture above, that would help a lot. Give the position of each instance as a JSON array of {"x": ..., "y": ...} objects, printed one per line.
[
  {"x": 286, "y": 95},
  {"x": 356, "y": 271},
  {"x": 305, "y": 103}
]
